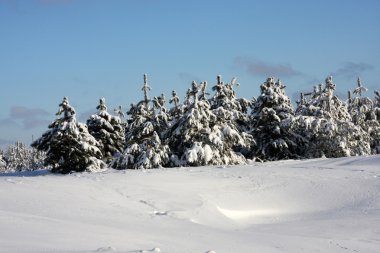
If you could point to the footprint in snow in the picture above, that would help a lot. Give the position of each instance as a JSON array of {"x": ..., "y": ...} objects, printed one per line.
[
  {"x": 13, "y": 181},
  {"x": 152, "y": 250},
  {"x": 106, "y": 249},
  {"x": 148, "y": 203},
  {"x": 160, "y": 213}
]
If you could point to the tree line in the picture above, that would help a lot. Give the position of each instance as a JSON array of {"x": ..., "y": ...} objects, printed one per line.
[{"x": 220, "y": 129}]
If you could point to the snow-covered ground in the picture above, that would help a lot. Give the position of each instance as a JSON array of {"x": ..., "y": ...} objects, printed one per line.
[{"x": 321, "y": 205}]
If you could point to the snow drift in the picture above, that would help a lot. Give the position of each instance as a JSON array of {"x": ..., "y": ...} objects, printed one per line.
[{"x": 321, "y": 205}]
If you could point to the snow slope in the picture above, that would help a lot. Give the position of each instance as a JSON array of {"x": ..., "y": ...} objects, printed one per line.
[{"x": 321, "y": 205}]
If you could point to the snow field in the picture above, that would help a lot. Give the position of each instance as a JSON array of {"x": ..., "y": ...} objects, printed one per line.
[{"x": 320, "y": 205}]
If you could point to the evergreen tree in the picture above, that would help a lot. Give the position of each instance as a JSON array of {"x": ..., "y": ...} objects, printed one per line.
[
  {"x": 328, "y": 125},
  {"x": 374, "y": 125},
  {"x": 203, "y": 136},
  {"x": 144, "y": 148},
  {"x": 108, "y": 130},
  {"x": 363, "y": 112},
  {"x": 188, "y": 135},
  {"x": 377, "y": 99},
  {"x": 18, "y": 157},
  {"x": 359, "y": 107},
  {"x": 177, "y": 110},
  {"x": 271, "y": 124},
  {"x": 232, "y": 113},
  {"x": 68, "y": 144},
  {"x": 3, "y": 163}
]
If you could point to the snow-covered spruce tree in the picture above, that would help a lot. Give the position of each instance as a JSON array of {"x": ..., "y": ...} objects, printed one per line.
[
  {"x": 108, "y": 130},
  {"x": 37, "y": 159},
  {"x": 68, "y": 145},
  {"x": 188, "y": 135},
  {"x": 328, "y": 125},
  {"x": 18, "y": 157},
  {"x": 3, "y": 163},
  {"x": 377, "y": 99},
  {"x": 359, "y": 107},
  {"x": 232, "y": 114},
  {"x": 225, "y": 98},
  {"x": 374, "y": 125},
  {"x": 177, "y": 110},
  {"x": 365, "y": 114},
  {"x": 199, "y": 137},
  {"x": 144, "y": 148},
  {"x": 271, "y": 124}
]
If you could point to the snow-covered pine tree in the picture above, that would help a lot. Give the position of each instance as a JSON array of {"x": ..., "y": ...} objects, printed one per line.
[
  {"x": 37, "y": 159},
  {"x": 120, "y": 113},
  {"x": 359, "y": 107},
  {"x": 68, "y": 145},
  {"x": 177, "y": 110},
  {"x": 188, "y": 135},
  {"x": 225, "y": 97},
  {"x": 18, "y": 157},
  {"x": 377, "y": 99},
  {"x": 232, "y": 113},
  {"x": 3, "y": 164},
  {"x": 271, "y": 124},
  {"x": 374, "y": 125},
  {"x": 144, "y": 148},
  {"x": 364, "y": 114},
  {"x": 108, "y": 130},
  {"x": 328, "y": 125},
  {"x": 199, "y": 137}
]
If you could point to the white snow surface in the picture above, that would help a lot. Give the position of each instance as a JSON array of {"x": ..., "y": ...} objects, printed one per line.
[{"x": 319, "y": 205}]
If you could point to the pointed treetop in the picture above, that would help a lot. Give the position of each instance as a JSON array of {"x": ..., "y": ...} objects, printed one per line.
[
  {"x": 65, "y": 101},
  {"x": 66, "y": 108},
  {"x": 174, "y": 99},
  {"x": 302, "y": 99},
  {"x": 203, "y": 86},
  {"x": 102, "y": 105},
  {"x": 279, "y": 84},
  {"x": 119, "y": 111},
  {"x": 194, "y": 91},
  {"x": 145, "y": 79},
  {"x": 349, "y": 96},
  {"x": 219, "y": 79},
  {"x": 329, "y": 79},
  {"x": 270, "y": 80},
  {"x": 377, "y": 97},
  {"x": 320, "y": 86},
  {"x": 159, "y": 102},
  {"x": 146, "y": 88},
  {"x": 234, "y": 82},
  {"x": 360, "y": 88},
  {"x": 330, "y": 84},
  {"x": 161, "y": 99}
]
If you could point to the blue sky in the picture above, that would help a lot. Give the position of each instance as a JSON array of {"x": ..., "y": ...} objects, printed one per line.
[{"x": 87, "y": 49}]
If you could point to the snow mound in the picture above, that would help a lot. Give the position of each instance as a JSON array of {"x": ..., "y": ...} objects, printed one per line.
[{"x": 320, "y": 205}]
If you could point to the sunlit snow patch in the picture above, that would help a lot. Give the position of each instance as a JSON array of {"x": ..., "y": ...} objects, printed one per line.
[{"x": 248, "y": 214}]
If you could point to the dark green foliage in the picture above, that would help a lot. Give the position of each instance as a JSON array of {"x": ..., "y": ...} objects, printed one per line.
[
  {"x": 68, "y": 145},
  {"x": 108, "y": 130}
]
